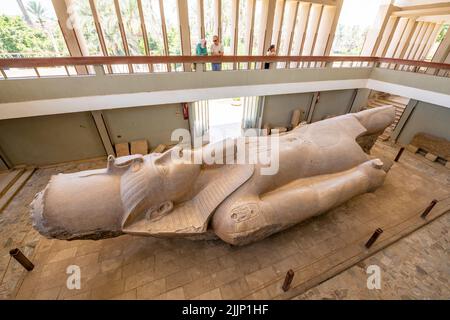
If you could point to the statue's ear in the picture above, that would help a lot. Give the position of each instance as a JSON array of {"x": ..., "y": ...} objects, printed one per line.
[
  {"x": 164, "y": 158},
  {"x": 177, "y": 154}
]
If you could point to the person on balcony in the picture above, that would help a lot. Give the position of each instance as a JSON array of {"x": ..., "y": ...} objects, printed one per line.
[
  {"x": 216, "y": 50},
  {"x": 200, "y": 50},
  {"x": 270, "y": 52}
]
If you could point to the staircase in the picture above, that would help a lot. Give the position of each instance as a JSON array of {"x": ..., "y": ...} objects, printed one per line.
[{"x": 381, "y": 99}]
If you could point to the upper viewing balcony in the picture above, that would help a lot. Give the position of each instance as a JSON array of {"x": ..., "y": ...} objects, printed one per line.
[
  {"x": 152, "y": 47},
  {"x": 94, "y": 85},
  {"x": 348, "y": 101},
  {"x": 80, "y": 58}
]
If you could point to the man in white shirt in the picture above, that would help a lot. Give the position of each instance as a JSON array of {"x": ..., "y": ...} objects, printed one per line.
[{"x": 216, "y": 50}]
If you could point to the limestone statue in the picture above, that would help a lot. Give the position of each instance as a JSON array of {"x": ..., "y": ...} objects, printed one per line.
[{"x": 320, "y": 166}]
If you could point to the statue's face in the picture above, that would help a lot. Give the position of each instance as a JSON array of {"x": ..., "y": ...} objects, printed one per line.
[{"x": 156, "y": 185}]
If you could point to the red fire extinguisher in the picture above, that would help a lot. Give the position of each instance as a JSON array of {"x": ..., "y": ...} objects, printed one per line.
[{"x": 185, "y": 111}]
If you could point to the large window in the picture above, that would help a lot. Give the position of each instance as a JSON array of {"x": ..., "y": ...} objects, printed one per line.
[
  {"x": 258, "y": 29},
  {"x": 194, "y": 23},
  {"x": 172, "y": 26},
  {"x": 440, "y": 36},
  {"x": 226, "y": 26},
  {"x": 110, "y": 26},
  {"x": 133, "y": 31},
  {"x": 210, "y": 28},
  {"x": 29, "y": 28},
  {"x": 173, "y": 30},
  {"x": 354, "y": 22},
  {"x": 132, "y": 25},
  {"x": 153, "y": 24},
  {"x": 84, "y": 21}
]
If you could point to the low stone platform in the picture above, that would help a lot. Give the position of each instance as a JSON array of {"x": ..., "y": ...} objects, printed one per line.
[{"x": 130, "y": 267}]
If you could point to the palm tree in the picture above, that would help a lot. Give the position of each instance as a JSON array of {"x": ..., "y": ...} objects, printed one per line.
[
  {"x": 40, "y": 15},
  {"x": 131, "y": 18},
  {"x": 36, "y": 10},
  {"x": 24, "y": 13}
]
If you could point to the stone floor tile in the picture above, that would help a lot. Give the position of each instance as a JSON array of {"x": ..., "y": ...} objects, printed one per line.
[
  {"x": 174, "y": 294},
  {"x": 178, "y": 279},
  {"x": 235, "y": 289},
  {"x": 210, "y": 295},
  {"x": 108, "y": 290},
  {"x": 198, "y": 287},
  {"x": 260, "y": 277},
  {"x": 152, "y": 289}
]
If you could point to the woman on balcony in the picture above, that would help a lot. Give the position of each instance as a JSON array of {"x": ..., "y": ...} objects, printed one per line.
[
  {"x": 200, "y": 50},
  {"x": 270, "y": 52}
]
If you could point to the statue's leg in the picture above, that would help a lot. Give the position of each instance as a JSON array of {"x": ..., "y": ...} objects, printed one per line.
[{"x": 247, "y": 219}]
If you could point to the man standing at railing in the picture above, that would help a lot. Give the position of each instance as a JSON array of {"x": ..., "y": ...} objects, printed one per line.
[{"x": 216, "y": 50}]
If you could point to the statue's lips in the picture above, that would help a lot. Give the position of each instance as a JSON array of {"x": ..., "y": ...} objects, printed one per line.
[{"x": 79, "y": 205}]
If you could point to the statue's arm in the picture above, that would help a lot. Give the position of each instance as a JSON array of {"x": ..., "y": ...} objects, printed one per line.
[{"x": 258, "y": 217}]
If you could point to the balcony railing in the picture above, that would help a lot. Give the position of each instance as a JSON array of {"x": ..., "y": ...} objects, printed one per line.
[{"x": 74, "y": 66}]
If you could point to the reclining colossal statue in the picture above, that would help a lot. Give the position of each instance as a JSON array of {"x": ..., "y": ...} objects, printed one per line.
[{"x": 320, "y": 166}]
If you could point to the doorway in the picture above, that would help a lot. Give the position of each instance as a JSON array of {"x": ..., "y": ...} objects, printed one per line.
[{"x": 220, "y": 119}]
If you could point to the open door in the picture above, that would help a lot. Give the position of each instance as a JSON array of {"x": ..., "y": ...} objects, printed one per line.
[
  {"x": 252, "y": 113},
  {"x": 199, "y": 120}
]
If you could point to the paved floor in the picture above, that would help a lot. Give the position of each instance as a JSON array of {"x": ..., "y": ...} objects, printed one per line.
[
  {"x": 416, "y": 267},
  {"x": 131, "y": 267}
]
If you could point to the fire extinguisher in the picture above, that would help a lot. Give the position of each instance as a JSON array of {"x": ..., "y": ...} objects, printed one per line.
[{"x": 185, "y": 111}]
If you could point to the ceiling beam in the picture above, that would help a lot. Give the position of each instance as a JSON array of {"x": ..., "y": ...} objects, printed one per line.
[
  {"x": 218, "y": 18},
  {"x": 418, "y": 41},
  {"x": 413, "y": 40},
  {"x": 122, "y": 32},
  {"x": 164, "y": 31},
  {"x": 423, "y": 42},
  {"x": 431, "y": 40},
  {"x": 144, "y": 32},
  {"x": 249, "y": 30},
  {"x": 185, "y": 37},
  {"x": 332, "y": 33},
  {"x": 73, "y": 37},
  {"x": 396, "y": 37},
  {"x": 268, "y": 7},
  {"x": 311, "y": 28},
  {"x": 406, "y": 38},
  {"x": 291, "y": 28},
  {"x": 425, "y": 6},
  {"x": 443, "y": 50},
  {"x": 387, "y": 36},
  {"x": 201, "y": 13},
  {"x": 300, "y": 29},
  {"x": 375, "y": 34},
  {"x": 324, "y": 2},
  {"x": 98, "y": 27},
  {"x": 442, "y": 53},
  {"x": 279, "y": 14},
  {"x": 435, "y": 11},
  {"x": 323, "y": 32},
  {"x": 234, "y": 27}
]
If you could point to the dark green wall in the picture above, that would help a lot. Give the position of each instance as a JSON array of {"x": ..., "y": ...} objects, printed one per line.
[
  {"x": 50, "y": 139},
  {"x": 428, "y": 118},
  {"x": 154, "y": 123},
  {"x": 278, "y": 109}
]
